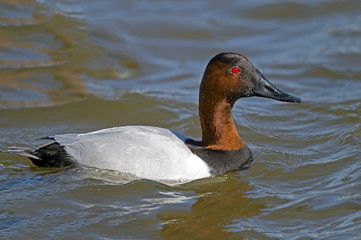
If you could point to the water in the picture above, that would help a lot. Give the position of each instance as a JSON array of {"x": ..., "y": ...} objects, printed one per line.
[{"x": 76, "y": 66}]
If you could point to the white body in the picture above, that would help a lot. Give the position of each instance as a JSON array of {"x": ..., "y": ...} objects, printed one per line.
[{"x": 147, "y": 152}]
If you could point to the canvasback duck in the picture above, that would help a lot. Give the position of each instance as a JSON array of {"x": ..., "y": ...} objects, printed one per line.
[{"x": 163, "y": 154}]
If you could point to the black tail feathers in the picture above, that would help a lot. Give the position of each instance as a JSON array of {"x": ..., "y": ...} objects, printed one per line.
[{"x": 47, "y": 155}]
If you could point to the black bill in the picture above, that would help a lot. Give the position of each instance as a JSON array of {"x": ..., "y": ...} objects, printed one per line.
[{"x": 266, "y": 89}]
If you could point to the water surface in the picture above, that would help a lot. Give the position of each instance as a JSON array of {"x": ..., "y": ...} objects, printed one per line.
[{"x": 76, "y": 66}]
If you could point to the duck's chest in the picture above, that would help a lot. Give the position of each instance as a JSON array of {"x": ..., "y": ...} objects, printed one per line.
[{"x": 220, "y": 161}]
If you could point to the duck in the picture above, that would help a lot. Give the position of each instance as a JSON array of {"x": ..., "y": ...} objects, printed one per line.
[{"x": 156, "y": 153}]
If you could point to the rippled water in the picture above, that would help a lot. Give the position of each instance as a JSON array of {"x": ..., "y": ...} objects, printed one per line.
[{"x": 74, "y": 65}]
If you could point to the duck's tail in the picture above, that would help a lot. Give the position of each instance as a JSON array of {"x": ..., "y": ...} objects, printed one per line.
[
  {"x": 48, "y": 155},
  {"x": 23, "y": 151}
]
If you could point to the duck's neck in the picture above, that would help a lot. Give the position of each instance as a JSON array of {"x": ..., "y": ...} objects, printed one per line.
[{"x": 218, "y": 129}]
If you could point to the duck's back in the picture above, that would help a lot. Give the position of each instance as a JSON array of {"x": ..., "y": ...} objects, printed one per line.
[
  {"x": 144, "y": 151},
  {"x": 147, "y": 152}
]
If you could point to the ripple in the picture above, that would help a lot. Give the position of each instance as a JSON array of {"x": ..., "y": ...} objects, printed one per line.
[
  {"x": 22, "y": 12},
  {"x": 76, "y": 66}
]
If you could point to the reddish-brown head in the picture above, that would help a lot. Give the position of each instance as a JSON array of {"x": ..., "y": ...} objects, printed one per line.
[
  {"x": 233, "y": 76},
  {"x": 228, "y": 77}
]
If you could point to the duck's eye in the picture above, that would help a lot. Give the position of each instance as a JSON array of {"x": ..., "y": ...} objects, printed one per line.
[{"x": 235, "y": 70}]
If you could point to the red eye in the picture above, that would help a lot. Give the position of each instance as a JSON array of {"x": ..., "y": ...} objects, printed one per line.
[{"x": 235, "y": 70}]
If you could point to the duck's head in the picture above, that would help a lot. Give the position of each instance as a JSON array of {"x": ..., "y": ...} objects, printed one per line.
[
  {"x": 231, "y": 76},
  {"x": 228, "y": 77}
]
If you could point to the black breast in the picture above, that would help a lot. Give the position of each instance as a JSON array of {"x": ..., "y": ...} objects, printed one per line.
[{"x": 221, "y": 161}]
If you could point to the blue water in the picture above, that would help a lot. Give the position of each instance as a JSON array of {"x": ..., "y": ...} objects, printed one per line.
[{"x": 77, "y": 66}]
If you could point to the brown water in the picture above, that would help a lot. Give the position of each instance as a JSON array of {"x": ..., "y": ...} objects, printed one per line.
[{"x": 76, "y": 66}]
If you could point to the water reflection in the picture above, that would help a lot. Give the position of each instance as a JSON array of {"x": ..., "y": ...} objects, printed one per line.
[
  {"x": 23, "y": 12},
  {"x": 41, "y": 61},
  {"x": 219, "y": 205},
  {"x": 149, "y": 56}
]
